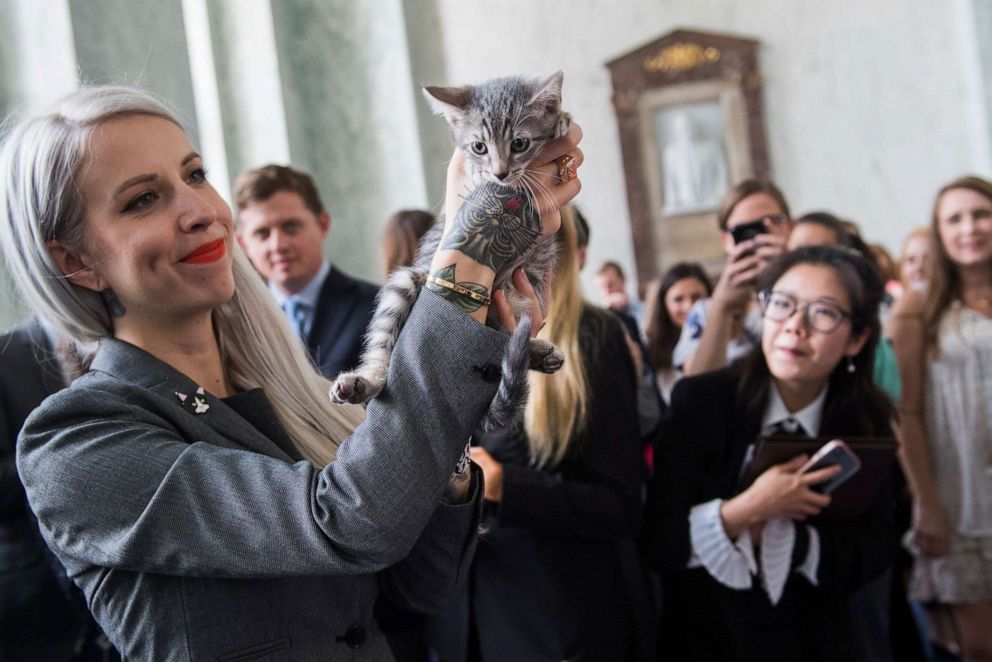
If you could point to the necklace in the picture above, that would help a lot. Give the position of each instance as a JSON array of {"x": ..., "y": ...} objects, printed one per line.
[{"x": 981, "y": 300}]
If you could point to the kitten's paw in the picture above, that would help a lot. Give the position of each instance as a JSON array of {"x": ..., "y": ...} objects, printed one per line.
[
  {"x": 352, "y": 388},
  {"x": 545, "y": 357},
  {"x": 564, "y": 124}
]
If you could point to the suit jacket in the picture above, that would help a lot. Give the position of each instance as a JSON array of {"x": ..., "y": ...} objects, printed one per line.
[
  {"x": 344, "y": 310},
  {"x": 198, "y": 537},
  {"x": 557, "y": 575},
  {"x": 41, "y": 614},
  {"x": 29, "y": 373},
  {"x": 698, "y": 459}
]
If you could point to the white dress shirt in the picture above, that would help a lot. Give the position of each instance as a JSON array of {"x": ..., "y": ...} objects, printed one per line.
[{"x": 308, "y": 296}]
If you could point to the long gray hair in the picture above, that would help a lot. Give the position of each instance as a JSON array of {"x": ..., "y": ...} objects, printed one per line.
[{"x": 39, "y": 163}]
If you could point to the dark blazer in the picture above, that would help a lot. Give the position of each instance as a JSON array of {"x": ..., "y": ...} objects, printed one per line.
[
  {"x": 344, "y": 310},
  {"x": 556, "y": 574},
  {"x": 42, "y": 615},
  {"x": 698, "y": 459},
  {"x": 199, "y": 537},
  {"x": 29, "y": 373}
]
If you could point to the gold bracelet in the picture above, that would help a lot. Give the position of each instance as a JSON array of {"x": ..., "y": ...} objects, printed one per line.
[{"x": 455, "y": 287}]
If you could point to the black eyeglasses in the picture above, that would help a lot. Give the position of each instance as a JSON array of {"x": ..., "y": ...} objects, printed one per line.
[{"x": 819, "y": 315}]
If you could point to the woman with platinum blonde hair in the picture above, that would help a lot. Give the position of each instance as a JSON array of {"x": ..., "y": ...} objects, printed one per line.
[{"x": 196, "y": 482}]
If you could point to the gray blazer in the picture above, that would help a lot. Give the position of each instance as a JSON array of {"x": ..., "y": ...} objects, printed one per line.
[{"x": 196, "y": 537}]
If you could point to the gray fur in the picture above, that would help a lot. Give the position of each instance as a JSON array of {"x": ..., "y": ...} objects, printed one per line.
[
  {"x": 494, "y": 113},
  {"x": 504, "y": 411}
]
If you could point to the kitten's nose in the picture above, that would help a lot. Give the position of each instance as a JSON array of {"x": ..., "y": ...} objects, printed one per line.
[{"x": 502, "y": 175}]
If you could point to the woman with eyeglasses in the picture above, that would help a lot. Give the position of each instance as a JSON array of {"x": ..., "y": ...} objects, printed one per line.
[
  {"x": 754, "y": 226},
  {"x": 753, "y": 573}
]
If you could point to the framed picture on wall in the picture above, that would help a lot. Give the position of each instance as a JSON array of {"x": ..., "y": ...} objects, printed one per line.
[
  {"x": 691, "y": 125},
  {"x": 695, "y": 146}
]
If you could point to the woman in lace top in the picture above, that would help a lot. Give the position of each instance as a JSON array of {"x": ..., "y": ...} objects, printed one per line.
[{"x": 943, "y": 341}]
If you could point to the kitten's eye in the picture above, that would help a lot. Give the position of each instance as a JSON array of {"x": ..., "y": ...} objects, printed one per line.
[
  {"x": 519, "y": 145},
  {"x": 479, "y": 148}
]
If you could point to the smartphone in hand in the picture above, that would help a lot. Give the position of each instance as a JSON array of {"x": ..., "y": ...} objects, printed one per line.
[
  {"x": 831, "y": 453},
  {"x": 746, "y": 231}
]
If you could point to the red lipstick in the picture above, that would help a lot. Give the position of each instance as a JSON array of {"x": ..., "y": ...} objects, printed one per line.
[{"x": 206, "y": 253}]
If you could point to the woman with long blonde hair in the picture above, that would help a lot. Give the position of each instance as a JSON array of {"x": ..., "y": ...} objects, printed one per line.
[
  {"x": 196, "y": 483},
  {"x": 943, "y": 341},
  {"x": 549, "y": 580}
]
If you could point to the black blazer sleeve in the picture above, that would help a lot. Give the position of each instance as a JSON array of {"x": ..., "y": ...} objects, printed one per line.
[
  {"x": 595, "y": 493},
  {"x": 688, "y": 455},
  {"x": 698, "y": 459},
  {"x": 853, "y": 553}
]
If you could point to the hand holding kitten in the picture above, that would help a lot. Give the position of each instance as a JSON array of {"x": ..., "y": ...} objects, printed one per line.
[{"x": 465, "y": 199}]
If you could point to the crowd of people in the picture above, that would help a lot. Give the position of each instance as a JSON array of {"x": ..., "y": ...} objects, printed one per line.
[{"x": 193, "y": 494}]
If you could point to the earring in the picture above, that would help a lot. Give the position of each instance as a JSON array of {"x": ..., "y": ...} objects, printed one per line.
[
  {"x": 850, "y": 365},
  {"x": 114, "y": 305}
]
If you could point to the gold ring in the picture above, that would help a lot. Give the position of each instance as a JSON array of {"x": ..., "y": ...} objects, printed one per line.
[{"x": 566, "y": 167}]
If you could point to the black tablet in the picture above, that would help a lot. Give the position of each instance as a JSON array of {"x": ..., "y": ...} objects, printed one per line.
[{"x": 851, "y": 498}]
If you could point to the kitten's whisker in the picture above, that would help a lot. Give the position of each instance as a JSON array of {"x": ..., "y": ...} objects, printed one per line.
[{"x": 533, "y": 183}]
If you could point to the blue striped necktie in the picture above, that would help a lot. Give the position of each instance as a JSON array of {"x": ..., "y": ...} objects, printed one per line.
[{"x": 296, "y": 313}]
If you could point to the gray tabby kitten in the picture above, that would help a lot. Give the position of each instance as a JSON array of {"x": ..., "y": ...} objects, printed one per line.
[{"x": 501, "y": 125}]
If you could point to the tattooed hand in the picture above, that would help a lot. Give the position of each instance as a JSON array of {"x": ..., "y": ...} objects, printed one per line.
[{"x": 493, "y": 225}]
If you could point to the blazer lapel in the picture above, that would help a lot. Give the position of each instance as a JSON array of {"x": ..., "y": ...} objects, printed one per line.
[
  {"x": 334, "y": 307},
  {"x": 132, "y": 364}
]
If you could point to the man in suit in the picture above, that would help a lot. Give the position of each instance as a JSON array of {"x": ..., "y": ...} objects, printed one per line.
[
  {"x": 281, "y": 225},
  {"x": 43, "y": 615}
]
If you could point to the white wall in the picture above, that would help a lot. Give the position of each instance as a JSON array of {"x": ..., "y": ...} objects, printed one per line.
[{"x": 870, "y": 104}]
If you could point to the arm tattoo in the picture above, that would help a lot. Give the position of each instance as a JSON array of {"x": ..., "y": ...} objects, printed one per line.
[
  {"x": 466, "y": 303},
  {"x": 495, "y": 225}
]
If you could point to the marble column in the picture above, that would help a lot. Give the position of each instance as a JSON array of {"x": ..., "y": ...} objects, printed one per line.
[
  {"x": 37, "y": 66},
  {"x": 136, "y": 43},
  {"x": 248, "y": 85},
  {"x": 983, "y": 30},
  {"x": 350, "y": 116}
]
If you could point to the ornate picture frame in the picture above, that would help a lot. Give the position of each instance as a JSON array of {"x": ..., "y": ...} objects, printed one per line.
[{"x": 691, "y": 124}]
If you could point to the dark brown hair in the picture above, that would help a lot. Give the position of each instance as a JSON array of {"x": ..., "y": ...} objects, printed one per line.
[
  {"x": 847, "y": 232},
  {"x": 581, "y": 227},
  {"x": 401, "y": 236},
  {"x": 945, "y": 280},
  {"x": 848, "y": 391},
  {"x": 745, "y": 189},
  {"x": 262, "y": 183},
  {"x": 610, "y": 265},
  {"x": 661, "y": 330}
]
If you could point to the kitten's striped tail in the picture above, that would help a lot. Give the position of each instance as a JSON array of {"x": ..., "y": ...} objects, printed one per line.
[{"x": 511, "y": 396}]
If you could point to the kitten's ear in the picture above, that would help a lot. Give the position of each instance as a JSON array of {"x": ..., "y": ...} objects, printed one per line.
[
  {"x": 547, "y": 91},
  {"x": 448, "y": 101}
]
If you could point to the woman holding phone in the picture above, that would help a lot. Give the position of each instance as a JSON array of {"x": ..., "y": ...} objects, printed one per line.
[
  {"x": 755, "y": 224},
  {"x": 752, "y": 573}
]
